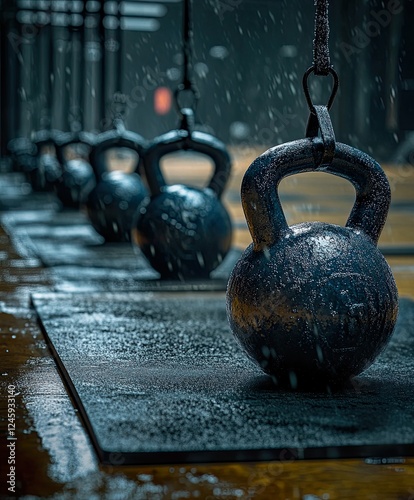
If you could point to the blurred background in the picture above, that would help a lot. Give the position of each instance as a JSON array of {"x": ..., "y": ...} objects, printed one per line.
[
  {"x": 249, "y": 59},
  {"x": 75, "y": 65}
]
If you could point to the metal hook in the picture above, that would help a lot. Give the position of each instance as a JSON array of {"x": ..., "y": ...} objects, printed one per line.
[
  {"x": 194, "y": 96},
  {"x": 335, "y": 76}
]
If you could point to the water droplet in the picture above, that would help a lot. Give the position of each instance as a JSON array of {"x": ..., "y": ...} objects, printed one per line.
[
  {"x": 200, "y": 259},
  {"x": 293, "y": 380}
]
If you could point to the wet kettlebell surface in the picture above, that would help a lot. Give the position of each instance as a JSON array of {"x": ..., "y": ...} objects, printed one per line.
[
  {"x": 175, "y": 323},
  {"x": 159, "y": 377}
]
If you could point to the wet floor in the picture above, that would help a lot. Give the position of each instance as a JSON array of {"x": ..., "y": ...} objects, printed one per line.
[
  {"x": 160, "y": 376},
  {"x": 52, "y": 438}
]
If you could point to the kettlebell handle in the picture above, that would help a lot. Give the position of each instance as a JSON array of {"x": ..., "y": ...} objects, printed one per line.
[
  {"x": 67, "y": 138},
  {"x": 114, "y": 139},
  {"x": 184, "y": 140},
  {"x": 45, "y": 136},
  {"x": 259, "y": 192}
]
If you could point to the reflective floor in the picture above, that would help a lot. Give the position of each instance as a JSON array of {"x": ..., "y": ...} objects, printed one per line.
[{"x": 54, "y": 456}]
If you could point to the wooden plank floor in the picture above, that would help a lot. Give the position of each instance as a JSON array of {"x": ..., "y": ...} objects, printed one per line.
[{"x": 54, "y": 457}]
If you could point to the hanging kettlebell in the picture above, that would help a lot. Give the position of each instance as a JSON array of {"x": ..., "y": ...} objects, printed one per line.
[
  {"x": 184, "y": 232},
  {"x": 314, "y": 301},
  {"x": 38, "y": 164},
  {"x": 78, "y": 178},
  {"x": 48, "y": 169},
  {"x": 113, "y": 202},
  {"x": 23, "y": 154}
]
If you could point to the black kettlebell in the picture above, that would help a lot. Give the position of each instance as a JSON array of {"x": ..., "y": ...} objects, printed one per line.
[
  {"x": 314, "y": 301},
  {"x": 184, "y": 232},
  {"x": 23, "y": 153},
  {"x": 77, "y": 178},
  {"x": 47, "y": 170},
  {"x": 113, "y": 202},
  {"x": 36, "y": 160}
]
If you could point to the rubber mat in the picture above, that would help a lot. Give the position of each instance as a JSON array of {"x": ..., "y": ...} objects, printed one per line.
[
  {"x": 16, "y": 194},
  {"x": 80, "y": 259},
  {"x": 159, "y": 378}
]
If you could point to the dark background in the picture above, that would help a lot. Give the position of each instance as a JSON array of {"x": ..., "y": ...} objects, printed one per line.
[{"x": 249, "y": 59}]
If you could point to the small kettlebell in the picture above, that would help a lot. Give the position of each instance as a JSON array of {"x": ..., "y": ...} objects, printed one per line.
[
  {"x": 314, "y": 301},
  {"x": 23, "y": 153},
  {"x": 184, "y": 232},
  {"x": 77, "y": 178},
  {"x": 48, "y": 169},
  {"x": 113, "y": 202}
]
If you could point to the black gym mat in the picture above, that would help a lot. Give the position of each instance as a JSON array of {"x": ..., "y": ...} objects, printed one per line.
[
  {"x": 80, "y": 260},
  {"x": 159, "y": 378},
  {"x": 16, "y": 194}
]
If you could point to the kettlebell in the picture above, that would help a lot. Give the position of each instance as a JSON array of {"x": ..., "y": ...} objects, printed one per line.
[
  {"x": 184, "y": 232},
  {"x": 113, "y": 202},
  {"x": 23, "y": 154},
  {"x": 314, "y": 301},
  {"x": 47, "y": 170},
  {"x": 77, "y": 178},
  {"x": 36, "y": 161}
]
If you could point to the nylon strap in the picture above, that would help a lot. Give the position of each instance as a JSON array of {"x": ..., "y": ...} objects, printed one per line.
[
  {"x": 321, "y": 57},
  {"x": 321, "y": 121},
  {"x": 187, "y": 45}
]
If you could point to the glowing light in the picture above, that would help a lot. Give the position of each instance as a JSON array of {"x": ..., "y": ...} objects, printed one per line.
[{"x": 162, "y": 100}]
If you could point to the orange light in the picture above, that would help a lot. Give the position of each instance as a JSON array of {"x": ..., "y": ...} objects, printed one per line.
[{"x": 162, "y": 100}]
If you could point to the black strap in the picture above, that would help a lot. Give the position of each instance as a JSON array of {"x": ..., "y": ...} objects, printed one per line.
[
  {"x": 321, "y": 57},
  {"x": 187, "y": 46},
  {"x": 186, "y": 95},
  {"x": 321, "y": 121},
  {"x": 187, "y": 121},
  {"x": 119, "y": 102},
  {"x": 118, "y": 40}
]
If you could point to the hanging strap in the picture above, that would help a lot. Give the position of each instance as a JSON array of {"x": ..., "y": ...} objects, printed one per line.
[
  {"x": 187, "y": 45},
  {"x": 321, "y": 57},
  {"x": 321, "y": 60},
  {"x": 187, "y": 86},
  {"x": 119, "y": 103},
  {"x": 320, "y": 121},
  {"x": 118, "y": 50}
]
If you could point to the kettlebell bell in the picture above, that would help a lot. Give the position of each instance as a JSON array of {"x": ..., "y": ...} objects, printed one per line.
[
  {"x": 48, "y": 169},
  {"x": 77, "y": 178},
  {"x": 314, "y": 301},
  {"x": 184, "y": 232},
  {"x": 23, "y": 153},
  {"x": 113, "y": 202}
]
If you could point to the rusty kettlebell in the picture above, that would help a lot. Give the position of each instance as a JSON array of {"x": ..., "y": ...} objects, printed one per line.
[
  {"x": 314, "y": 301},
  {"x": 183, "y": 231},
  {"x": 113, "y": 202}
]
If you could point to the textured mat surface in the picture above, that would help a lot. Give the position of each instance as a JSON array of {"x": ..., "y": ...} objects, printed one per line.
[
  {"x": 16, "y": 194},
  {"x": 159, "y": 378},
  {"x": 80, "y": 259}
]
